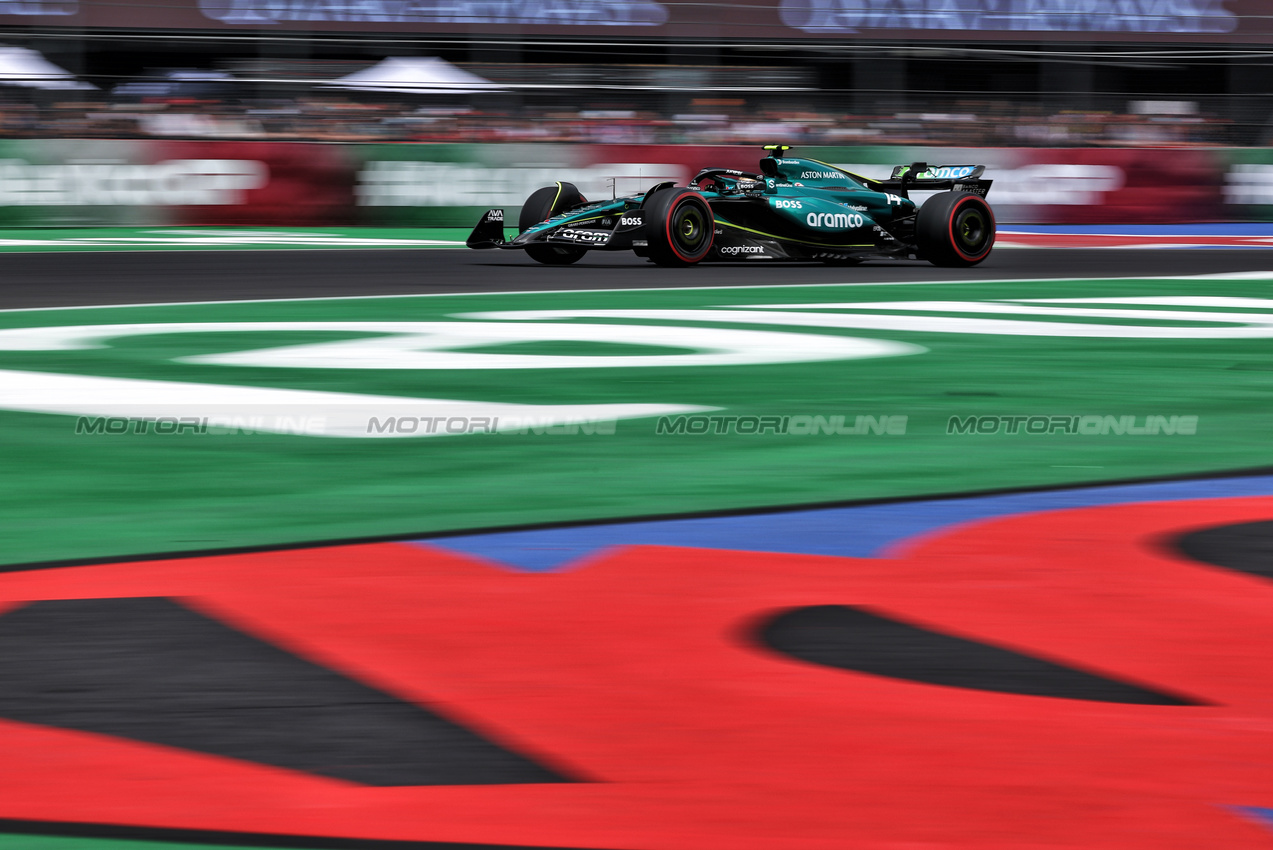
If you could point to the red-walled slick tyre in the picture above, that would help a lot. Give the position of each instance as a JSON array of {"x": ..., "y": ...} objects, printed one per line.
[
  {"x": 680, "y": 227},
  {"x": 955, "y": 229}
]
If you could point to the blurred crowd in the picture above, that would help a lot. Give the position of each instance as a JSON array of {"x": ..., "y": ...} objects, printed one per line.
[{"x": 340, "y": 118}]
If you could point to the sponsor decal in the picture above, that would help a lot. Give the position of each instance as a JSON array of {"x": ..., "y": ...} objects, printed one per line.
[
  {"x": 733, "y": 250},
  {"x": 1249, "y": 183},
  {"x": 788, "y": 205},
  {"x": 1060, "y": 184},
  {"x": 1144, "y": 16},
  {"x": 839, "y": 221},
  {"x": 948, "y": 172},
  {"x": 589, "y": 236},
  {"x": 39, "y": 8},
  {"x": 856, "y": 207},
  {"x": 821, "y": 175},
  {"x": 495, "y": 215},
  {"x": 631, "y": 221},
  {"x": 629, "y": 13},
  {"x": 175, "y": 182},
  {"x": 971, "y": 187},
  {"x": 401, "y": 183}
]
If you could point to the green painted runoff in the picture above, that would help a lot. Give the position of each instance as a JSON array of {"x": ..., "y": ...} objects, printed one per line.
[{"x": 97, "y": 495}]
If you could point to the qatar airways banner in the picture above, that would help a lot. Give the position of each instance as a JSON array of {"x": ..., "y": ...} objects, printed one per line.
[
  {"x": 141, "y": 183},
  {"x": 1216, "y": 21}
]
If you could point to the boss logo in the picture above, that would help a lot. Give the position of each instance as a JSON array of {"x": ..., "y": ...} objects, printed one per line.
[
  {"x": 839, "y": 221},
  {"x": 584, "y": 235},
  {"x": 789, "y": 205},
  {"x": 732, "y": 250},
  {"x": 630, "y": 221}
]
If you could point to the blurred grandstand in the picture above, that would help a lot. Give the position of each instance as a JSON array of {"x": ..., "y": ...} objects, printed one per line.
[{"x": 1105, "y": 87}]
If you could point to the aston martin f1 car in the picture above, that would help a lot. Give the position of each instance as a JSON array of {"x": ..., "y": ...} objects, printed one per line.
[{"x": 794, "y": 209}]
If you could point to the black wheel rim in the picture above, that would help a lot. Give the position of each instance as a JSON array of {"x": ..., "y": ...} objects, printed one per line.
[
  {"x": 689, "y": 226},
  {"x": 972, "y": 230}
]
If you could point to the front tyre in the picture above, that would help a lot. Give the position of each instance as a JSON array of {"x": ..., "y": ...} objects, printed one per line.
[
  {"x": 680, "y": 227},
  {"x": 542, "y": 205},
  {"x": 955, "y": 229}
]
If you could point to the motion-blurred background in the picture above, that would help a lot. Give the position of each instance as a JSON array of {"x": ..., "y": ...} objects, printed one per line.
[{"x": 1137, "y": 110}]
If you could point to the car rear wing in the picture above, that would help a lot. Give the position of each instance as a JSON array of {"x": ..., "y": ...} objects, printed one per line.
[{"x": 921, "y": 175}]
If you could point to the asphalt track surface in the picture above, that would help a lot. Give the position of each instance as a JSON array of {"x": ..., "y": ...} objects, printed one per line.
[{"x": 89, "y": 279}]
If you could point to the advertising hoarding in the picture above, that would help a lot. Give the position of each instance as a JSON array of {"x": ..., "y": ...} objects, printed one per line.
[
  {"x": 1214, "y": 21},
  {"x": 143, "y": 182}
]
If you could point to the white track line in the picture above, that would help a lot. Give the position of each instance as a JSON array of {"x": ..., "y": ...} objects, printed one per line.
[{"x": 1268, "y": 275}]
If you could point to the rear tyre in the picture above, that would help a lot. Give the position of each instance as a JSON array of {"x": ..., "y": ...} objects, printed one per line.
[
  {"x": 680, "y": 227},
  {"x": 955, "y": 229},
  {"x": 542, "y": 205}
]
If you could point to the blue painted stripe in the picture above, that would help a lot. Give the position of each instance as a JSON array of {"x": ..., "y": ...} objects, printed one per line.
[
  {"x": 852, "y": 532},
  {"x": 1208, "y": 229},
  {"x": 1262, "y": 816}
]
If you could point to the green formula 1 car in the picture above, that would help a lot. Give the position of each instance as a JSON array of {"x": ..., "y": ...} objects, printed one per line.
[{"x": 795, "y": 209}]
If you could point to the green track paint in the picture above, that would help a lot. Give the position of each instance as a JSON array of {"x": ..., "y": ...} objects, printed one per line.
[{"x": 808, "y": 428}]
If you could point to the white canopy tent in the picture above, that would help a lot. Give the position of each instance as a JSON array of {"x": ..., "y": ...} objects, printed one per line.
[
  {"x": 28, "y": 68},
  {"x": 421, "y": 75}
]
